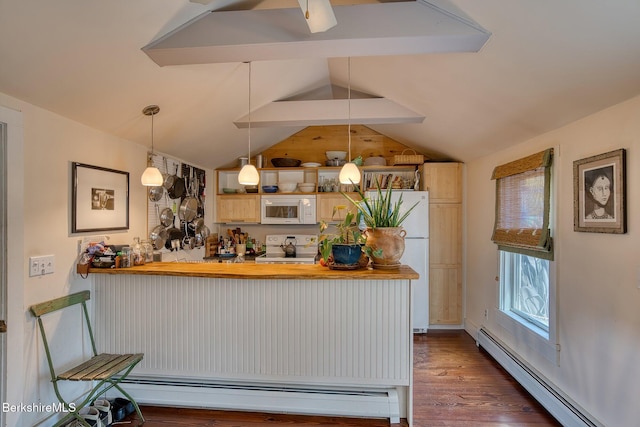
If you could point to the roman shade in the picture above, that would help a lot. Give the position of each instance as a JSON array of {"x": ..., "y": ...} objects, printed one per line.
[{"x": 523, "y": 190}]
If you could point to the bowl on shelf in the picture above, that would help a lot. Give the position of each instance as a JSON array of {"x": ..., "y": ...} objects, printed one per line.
[
  {"x": 269, "y": 188},
  {"x": 375, "y": 161},
  {"x": 229, "y": 190},
  {"x": 340, "y": 155},
  {"x": 287, "y": 187},
  {"x": 251, "y": 188},
  {"x": 285, "y": 162},
  {"x": 307, "y": 187}
]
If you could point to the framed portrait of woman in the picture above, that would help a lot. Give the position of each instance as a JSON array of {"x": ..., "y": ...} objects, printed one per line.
[{"x": 599, "y": 193}]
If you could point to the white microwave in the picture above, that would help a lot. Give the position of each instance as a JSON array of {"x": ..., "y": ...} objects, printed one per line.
[{"x": 287, "y": 209}]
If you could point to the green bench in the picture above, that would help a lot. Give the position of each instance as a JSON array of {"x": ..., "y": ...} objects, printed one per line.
[{"x": 105, "y": 371}]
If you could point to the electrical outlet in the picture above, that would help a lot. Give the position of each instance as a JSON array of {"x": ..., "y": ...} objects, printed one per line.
[
  {"x": 41, "y": 265},
  {"x": 486, "y": 313}
]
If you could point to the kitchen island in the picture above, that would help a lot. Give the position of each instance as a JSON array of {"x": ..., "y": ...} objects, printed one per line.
[{"x": 262, "y": 337}]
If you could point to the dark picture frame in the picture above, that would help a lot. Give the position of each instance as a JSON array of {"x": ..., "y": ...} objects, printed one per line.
[
  {"x": 599, "y": 193},
  {"x": 100, "y": 199}
]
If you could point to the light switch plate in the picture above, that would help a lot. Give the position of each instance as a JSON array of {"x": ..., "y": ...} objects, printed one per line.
[{"x": 41, "y": 265}]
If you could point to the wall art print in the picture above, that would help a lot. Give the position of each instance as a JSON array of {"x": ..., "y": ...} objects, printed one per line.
[
  {"x": 599, "y": 193},
  {"x": 100, "y": 199}
]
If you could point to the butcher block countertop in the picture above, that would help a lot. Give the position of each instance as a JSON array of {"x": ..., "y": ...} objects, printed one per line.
[{"x": 260, "y": 271}]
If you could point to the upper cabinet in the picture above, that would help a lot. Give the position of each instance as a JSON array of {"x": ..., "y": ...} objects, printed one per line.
[{"x": 443, "y": 181}]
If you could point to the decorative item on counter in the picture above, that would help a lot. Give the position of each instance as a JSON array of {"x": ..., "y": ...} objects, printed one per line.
[
  {"x": 384, "y": 233},
  {"x": 343, "y": 247}
]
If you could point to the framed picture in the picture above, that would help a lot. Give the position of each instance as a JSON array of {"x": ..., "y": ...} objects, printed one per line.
[
  {"x": 599, "y": 193},
  {"x": 100, "y": 199}
]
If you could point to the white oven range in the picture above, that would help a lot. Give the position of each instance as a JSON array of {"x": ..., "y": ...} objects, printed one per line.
[{"x": 306, "y": 249}]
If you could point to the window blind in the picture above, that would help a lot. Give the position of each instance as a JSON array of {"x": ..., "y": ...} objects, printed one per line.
[{"x": 523, "y": 197}]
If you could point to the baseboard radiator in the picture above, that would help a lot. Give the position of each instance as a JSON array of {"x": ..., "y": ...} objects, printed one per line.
[
  {"x": 567, "y": 412},
  {"x": 363, "y": 403}
]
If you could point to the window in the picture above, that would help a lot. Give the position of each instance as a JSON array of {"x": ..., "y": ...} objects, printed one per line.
[
  {"x": 523, "y": 236},
  {"x": 524, "y": 288}
]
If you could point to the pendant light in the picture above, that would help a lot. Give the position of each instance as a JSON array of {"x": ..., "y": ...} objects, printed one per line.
[
  {"x": 151, "y": 176},
  {"x": 249, "y": 174},
  {"x": 318, "y": 14},
  {"x": 349, "y": 174}
]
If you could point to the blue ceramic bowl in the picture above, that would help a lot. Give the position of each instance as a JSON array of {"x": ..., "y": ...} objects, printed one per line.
[{"x": 269, "y": 188}]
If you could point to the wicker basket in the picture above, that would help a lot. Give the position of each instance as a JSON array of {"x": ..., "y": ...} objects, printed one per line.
[{"x": 407, "y": 159}]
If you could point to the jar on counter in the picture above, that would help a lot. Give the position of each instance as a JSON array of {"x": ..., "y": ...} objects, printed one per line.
[
  {"x": 147, "y": 247},
  {"x": 138, "y": 256}
]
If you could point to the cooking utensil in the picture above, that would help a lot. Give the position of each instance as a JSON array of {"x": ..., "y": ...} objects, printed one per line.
[
  {"x": 166, "y": 217},
  {"x": 156, "y": 193},
  {"x": 158, "y": 236},
  {"x": 289, "y": 247},
  {"x": 177, "y": 187},
  {"x": 174, "y": 233},
  {"x": 197, "y": 224}
]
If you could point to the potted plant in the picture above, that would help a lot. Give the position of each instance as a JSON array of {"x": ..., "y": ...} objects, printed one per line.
[
  {"x": 344, "y": 246},
  {"x": 383, "y": 218}
]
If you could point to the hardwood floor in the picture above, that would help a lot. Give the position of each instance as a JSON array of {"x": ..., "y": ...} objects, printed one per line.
[{"x": 455, "y": 385}]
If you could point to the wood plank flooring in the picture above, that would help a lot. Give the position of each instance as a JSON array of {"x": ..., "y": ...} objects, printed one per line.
[{"x": 455, "y": 385}]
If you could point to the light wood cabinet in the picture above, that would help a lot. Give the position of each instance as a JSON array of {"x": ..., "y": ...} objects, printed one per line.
[
  {"x": 444, "y": 183},
  {"x": 328, "y": 201},
  {"x": 238, "y": 208},
  {"x": 445, "y": 295}
]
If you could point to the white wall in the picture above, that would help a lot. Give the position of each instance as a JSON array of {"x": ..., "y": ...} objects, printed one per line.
[
  {"x": 43, "y": 178},
  {"x": 598, "y": 275}
]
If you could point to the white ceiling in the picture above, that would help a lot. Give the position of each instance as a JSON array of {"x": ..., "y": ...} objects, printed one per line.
[{"x": 546, "y": 64}]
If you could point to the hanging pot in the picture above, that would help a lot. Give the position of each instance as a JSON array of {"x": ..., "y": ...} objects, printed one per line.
[
  {"x": 174, "y": 233},
  {"x": 166, "y": 217},
  {"x": 197, "y": 224},
  {"x": 176, "y": 186},
  {"x": 188, "y": 207},
  {"x": 156, "y": 193},
  {"x": 158, "y": 236}
]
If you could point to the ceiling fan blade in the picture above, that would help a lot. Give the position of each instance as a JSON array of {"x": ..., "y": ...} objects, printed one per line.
[{"x": 318, "y": 15}]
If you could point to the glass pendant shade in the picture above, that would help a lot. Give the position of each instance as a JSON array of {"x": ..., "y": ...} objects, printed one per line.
[
  {"x": 152, "y": 177},
  {"x": 248, "y": 175},
  {"x": 349, "y": 174}
]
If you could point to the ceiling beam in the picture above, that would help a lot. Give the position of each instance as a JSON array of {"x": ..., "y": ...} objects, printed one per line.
[{"x": 398, "y": 28}]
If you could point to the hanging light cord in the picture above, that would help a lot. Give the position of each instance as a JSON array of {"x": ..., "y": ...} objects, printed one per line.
[
  {"x": 249, "y": 154},
  {"x": 152, "y": 115},
  {"x": 349, "y": 105}
]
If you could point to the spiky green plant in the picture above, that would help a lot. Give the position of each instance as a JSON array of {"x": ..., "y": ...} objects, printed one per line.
[{"x": 380, "y": 211}]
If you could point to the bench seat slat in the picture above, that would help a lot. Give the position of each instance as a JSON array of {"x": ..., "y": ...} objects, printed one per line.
[{"x": 101, "y": 367}]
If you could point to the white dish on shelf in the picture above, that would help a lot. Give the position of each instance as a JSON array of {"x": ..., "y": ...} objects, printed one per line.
[
  {"x": 287, "y": 187},
  {"x": 311, "y": 165},
  {"x": 340, "y": 155}
]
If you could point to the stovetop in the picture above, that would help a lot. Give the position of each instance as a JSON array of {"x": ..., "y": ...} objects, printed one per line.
[{"x": 306, "y": 249}]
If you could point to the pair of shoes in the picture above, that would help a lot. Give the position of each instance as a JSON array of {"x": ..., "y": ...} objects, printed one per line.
[
  {"x": 91, "y": 415},
  {"x": 120, "y": 408},
  {"x": 104, "y": 406}
]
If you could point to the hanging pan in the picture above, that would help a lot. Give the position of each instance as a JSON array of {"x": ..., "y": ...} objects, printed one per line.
[
  {"x": 158, "y": 236},
  {"x": 166, "y": 217},
  {"x": 174, "y": 185},
  {"x": 156, "y": 193},
  {"x": 188, "y": 207}
]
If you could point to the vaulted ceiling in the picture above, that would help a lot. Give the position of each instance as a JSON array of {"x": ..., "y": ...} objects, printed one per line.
[{"x": 545, "y": 64}]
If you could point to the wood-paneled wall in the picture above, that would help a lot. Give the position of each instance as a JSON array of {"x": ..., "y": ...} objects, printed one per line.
[{"x": 311, "y": 143}]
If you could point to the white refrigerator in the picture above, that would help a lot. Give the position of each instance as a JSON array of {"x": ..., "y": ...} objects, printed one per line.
[{"x": 416, "y": 251}]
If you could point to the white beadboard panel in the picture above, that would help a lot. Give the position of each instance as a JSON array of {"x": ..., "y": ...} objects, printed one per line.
[{"x": 310, "y": 332}]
